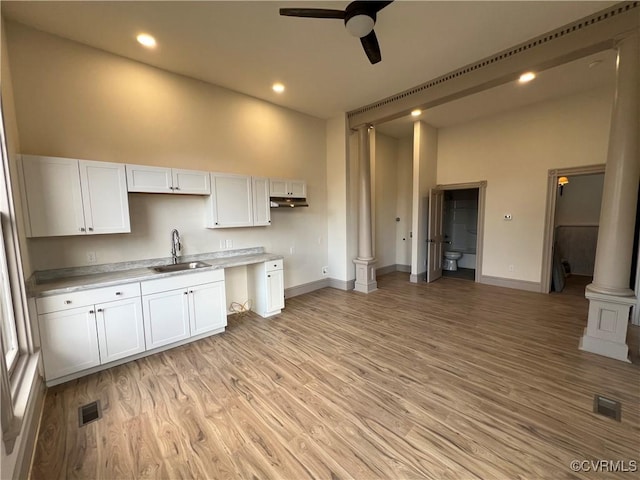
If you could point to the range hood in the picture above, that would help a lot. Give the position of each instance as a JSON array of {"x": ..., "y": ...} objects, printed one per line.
[{"x": 288, "y": 202}]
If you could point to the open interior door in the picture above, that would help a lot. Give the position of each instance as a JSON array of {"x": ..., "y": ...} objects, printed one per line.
[{"x": 435, "y": 235}]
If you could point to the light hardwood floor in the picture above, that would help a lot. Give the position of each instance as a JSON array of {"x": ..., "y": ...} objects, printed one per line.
[{"x": 452, "y": 380}]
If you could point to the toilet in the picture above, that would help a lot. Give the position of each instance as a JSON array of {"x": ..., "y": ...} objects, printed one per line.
[{"x": 451, "y": 260}]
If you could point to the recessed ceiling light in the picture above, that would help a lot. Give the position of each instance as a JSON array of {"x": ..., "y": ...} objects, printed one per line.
[
  {"x": 146, "y": 40},
  {"x": 278, "y": 87},
  {"x": 527, "y": 77},
  {"x": 416, "y": 113}
]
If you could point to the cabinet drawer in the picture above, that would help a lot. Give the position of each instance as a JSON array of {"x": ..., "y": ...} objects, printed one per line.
[
  {"x": 66, "y": 301},
  {"x": 181, "y": 281},
  {"x": 272, "y": 265}
]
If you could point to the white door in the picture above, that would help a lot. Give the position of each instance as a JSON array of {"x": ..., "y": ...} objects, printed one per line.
[
  {"x": 54, "y": 197},
  {"x": 435, "y": 235},
  {"x": 298, "y": 188},
  {"x": 69, "y": 341},
  {"x": 120, "y": 329},
  {"x": 104, "y": 196},
  {"x": 275, "y": 290},
  {"x": 230, "y": 203},
  {"x": 261, "y": 202},
  {"x": 208, "y": 309},
  {"x": 192, "y": 182},
  {"x": 142, "y": 178},
  {"x": 166, "y": 317}
]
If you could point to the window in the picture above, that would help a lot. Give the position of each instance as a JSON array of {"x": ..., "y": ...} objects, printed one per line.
[{"x": 10, "y": 345}]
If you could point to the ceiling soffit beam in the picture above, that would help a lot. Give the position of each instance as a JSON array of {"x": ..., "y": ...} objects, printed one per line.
[{"x": 583, "y": 37}]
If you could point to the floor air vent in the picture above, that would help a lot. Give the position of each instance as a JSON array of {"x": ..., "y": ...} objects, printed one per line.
[
  {"x": 89, "y": 413},
  {"x": 607, "y": 407}
]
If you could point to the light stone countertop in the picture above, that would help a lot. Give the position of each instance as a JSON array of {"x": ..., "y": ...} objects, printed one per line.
[{"x": 54, "y": 282}]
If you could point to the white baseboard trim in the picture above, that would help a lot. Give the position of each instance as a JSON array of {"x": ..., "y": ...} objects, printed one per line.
[
  {"x": 403, "y": 268},
  {"x": 306, "y": 288},
  {"x": 387, "y": 269},
  {"x": 511, "y": 283},
  {"x": 342, "y": 284}
]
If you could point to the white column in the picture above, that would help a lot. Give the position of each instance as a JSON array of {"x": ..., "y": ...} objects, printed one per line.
[
  {"x": 365, "y": 262},
  {"x": 610, "y": 298}
]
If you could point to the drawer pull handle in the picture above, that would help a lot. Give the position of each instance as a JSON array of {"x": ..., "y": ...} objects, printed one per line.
[
  {"x": 91, "y": 311},
  {"x": 186, "y": 293},
  {"x": 190, "y": 291},
  {"x": 82, "y": 229},
  {"x": 118, "y": 293},
  {"x": 268, "y": 276},
  {"x": 100, "y": 310},
  {"x": 67, "y": 302},
  {"x": 91, "y": 229}
]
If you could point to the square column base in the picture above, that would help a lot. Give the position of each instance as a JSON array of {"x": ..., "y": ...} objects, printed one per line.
[
  {"x": 365, "y": 275},
  {"x": 606, "y": 332}
]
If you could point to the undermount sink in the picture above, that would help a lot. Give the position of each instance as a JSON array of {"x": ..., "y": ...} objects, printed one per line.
[{"x": 178, "y": 267}]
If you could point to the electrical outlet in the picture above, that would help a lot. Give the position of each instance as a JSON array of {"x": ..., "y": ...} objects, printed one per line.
[
  {"x": 508, "y": 217},
  {"x": 229, "y": 243},
  {"x": 91, "y": 257},
  {"x": 325, "y": 270},
  {"x": 222, "y": 244},
  {"x": 511, "y": 268}
]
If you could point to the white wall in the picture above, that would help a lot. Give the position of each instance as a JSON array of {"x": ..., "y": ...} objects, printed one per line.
[
  {"x": 385, "y": 199},
  {"x": 425, "y": 148},
  {"x": 76, "y": 101},
  {"x": 337, "y": 206},
  {"x": 404, "y": 200},
  {"x": 580, "y": 201},
  {"x": 513, "y": 151}
]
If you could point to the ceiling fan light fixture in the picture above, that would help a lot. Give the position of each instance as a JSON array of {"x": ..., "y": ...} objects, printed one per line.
[{"x": 360, "y": 25}]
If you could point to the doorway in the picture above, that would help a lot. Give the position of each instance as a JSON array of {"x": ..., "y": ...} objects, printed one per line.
[
  {"x": 574, "y": 197},
  {"x": 460, "y": 231}
]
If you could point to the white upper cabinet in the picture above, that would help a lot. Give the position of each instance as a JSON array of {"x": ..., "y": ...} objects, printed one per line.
[
  {"x": 104, "y": 196},
  {"x": 65, "y": 196},
  {"x": 261, "y": 202},
  {"x": 192, "y": 182},
  {"x": 288, "y": 188},
  {"x": 147, "y": 179},
  {"x": 231, "y": 202}
]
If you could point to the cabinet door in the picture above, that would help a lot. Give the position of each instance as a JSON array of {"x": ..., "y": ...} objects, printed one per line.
[
  {"x": 207, "y": 307},
  {"x": 191, "y": 182},
  {"x": 166, "y": 317},
  {"x": 142, "y": 178},
  {"x": 275, "y": 290},
  {"x": 104, "y": 196},
  {"x": 120, "y": 329},
  {"x": 69, "y": 340},
  {"x": 298, "y": 188},
  {"x": 53, "y": 195},
  {"x": 230, "y": 203},
  {"x": 261, "y": 203},
  {"x": 278, "y": 188}
]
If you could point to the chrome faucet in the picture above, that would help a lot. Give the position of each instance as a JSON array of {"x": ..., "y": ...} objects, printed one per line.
[{"x": 175, "y": 245}]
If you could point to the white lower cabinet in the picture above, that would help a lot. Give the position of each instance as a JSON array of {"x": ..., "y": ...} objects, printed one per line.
[
  {"x": 166, "y": 317},
  {"x": 176, "y": 308},
  {"x": 120, "y": 329},
  {"x": 75, "y": 338},
  {"x": 266, "y": 287},
  {"x": 69, "y": 340}
]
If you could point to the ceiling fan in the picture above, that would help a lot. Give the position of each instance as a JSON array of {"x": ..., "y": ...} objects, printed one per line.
[{"x": 359, "y": 18}]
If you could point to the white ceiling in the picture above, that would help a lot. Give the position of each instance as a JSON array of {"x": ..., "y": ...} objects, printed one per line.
[{"x": 246, "y": 46}]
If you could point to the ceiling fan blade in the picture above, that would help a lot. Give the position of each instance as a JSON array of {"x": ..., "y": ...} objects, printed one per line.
[
  {"x": 312, "y": 13},
  {"x": 371, "y": 47},
  {"x": 377, "y": 6}
]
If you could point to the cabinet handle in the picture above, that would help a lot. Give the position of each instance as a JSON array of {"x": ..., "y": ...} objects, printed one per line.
[
  {"x": 176, "y": 188},
  {"x": 91, "y": 311},
  {"x": 170, "y": 188},
  {"x": 91, "y": 229},
  {"x": 186, "y": 293},
  {"x": 118, "y": 293},
  {"x": 190, "y": 291},
  {"x": 67, "y": 302},
  {"x": 216, "y": 223},
  {"x": 268, "y": 276},
  {"x": 82, "y": 229},
  {"x": 100, "y": 310}
]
